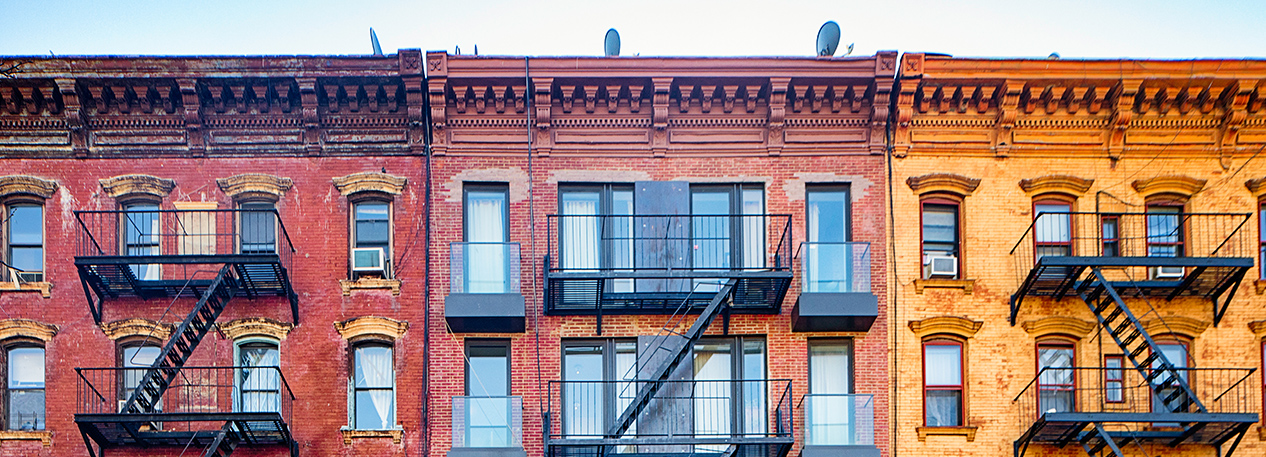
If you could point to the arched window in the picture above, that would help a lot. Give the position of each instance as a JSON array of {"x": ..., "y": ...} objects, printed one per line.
[
  {"x": 943, "y": 386},
  {"x": 1056, "y": 379},
  {"x": 24, "y": 386},
  {"x": 258, "y": 376},
  {"x": 373, "y": 385},
  {"x": 136, "y": 356}
]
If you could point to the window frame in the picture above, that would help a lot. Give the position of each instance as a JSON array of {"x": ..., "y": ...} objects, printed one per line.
[
  {"x": 388, "y": 264},
  {"x": 237, "y": 378},
  {"x": 1189, "y": 363},
  {"x": 1119, "y": 379},
  {"x": 1115, "y": 241},
  {"x": 9, "y": 205},
  {"x": 610, "y": 373},
  {"x": 353, "y": 389},
  {"x": 946, "y": 201},
  {"x": 1055, "y": 343},
  {"x": 8, "y": 346},
  {"x": 737, "y": 225},
  {"x": 961, "y": 387},
  {"x": 125, "y": 222},
  {"x": 502, "y": 188},
  {"x": 1261, "y": 244},
  {"x": 1052, "y": 200},
  {"x": 487, "y": 343},
  {"x": 607, "y": 242},
  {"x": 120, "y": 348},
  {"x": 1181, "y": 245},
  {"x": 241, "y": 238}
]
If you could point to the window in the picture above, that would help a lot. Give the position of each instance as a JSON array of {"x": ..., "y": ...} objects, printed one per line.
[
  {"x": 487, "y": 232},
  {"x": 258, "y": 228},
  {"x": 596, "y": 229},
  {"x": 1113, "y": 379},
  {"x": 729, "y": 388},
  {"x": 1056, "y": 381},
  {"x": 142, "y": 237},
  {"x": 488, "y": 408},
  {"x": 943, "y": 383},
  {"x": 136, "y": 358},
  {"x": 940, "y": 238},
  {"x": 1177, "y": 354},
  {"x": 590, "y": 406},
  {"x": 1164, "y": 230},
  {"x": 1110, "y": 225},
  {"x": 371, "y": 230},
  {"x": 24, "y": 397},
  {"x": 24, "y": 230},
  {"x": 831, "y": 409},
  {"x": 1261, "y": 238},
  {"x": 259, "y": 379},
  {"x": 726, "y": 228},
  {"x": 830, "y": 256},
  {"x": 1052, "y": 228},
  {"x": 373, "y": 387}
]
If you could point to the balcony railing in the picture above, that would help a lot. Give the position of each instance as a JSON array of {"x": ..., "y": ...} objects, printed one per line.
[
  {"x": 839, "y": 419},
  {"x": 195, "y": 392},
  {"x": 487, "y": 422},
  {"x": 484, "y": 268},
  {"x": 704, "y": 413},
  {"x": 835, "y": 267},
  {"x": 171, "y": 236}
]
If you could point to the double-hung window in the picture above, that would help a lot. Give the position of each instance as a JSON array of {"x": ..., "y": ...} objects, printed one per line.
[
  {"x": 1178, "y": 356},
  {"x": 259, "y": 378},
  {"x": 142, "y": 237},
  {"x": 24, "y": 230},
  {"x": 136, "y": 360},
  {"x": 24, "y": 394},
  {"x": 488, "y": 407},
  {"x": 487, "y": 236},
  {"x": 1113, "y": 379},
  {"x": 371, "y": 236},
  {"x": 1164, "y": 231},
  {"x": 373, "y": 387},
  {"x": 1055, "y": 381},
  {"x": 943, "y": 383},
  {"x": 258, "y": 228},
  {"x": 831, "y": 258},
  {"x": 941, "y": 238}
]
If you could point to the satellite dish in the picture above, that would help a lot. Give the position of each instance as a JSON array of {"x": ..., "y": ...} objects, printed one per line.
[
  {"x": 828, "y": 39},
  {"x": 373, "y": 39},
  {"x": 611, "y": 46}
]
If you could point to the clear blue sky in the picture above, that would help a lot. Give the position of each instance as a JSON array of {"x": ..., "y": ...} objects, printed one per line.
[{"x": 1073, "y": 28}]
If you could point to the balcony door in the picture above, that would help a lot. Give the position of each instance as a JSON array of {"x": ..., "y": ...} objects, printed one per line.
[
  {"x": 141, "y": 237},
  {"x": 591, "y": 403},
  {"x": 730, "y": 390},
  {"x": 831, "y": 413},
  {"x": 727, "y": 230},
  {"x": 487, "y": 269},
  {"x": 596, "y": 231},
  {"x": 830, "y": 258},
  {"x": 487, "y": 408}
]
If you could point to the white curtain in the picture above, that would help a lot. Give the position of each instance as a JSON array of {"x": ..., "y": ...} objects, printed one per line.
[
  {"x": 753, "y": 229},
  {"x": 580, "y": 235},
  {"x": 374, "y": 378},
  {"x": 830, "y": 409},
  {"x": 260, "y": 388},
  {"x": 713, "y": 395},
  {"x": 143, "y": 239},
  {"x": 814, "y": 270},
  {"x": 486, "y": 264}
]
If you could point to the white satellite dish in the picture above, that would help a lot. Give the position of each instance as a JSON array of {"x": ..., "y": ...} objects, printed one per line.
[
  {"x": 828, "y": 39},
  {"x": 611, "y": 45}
]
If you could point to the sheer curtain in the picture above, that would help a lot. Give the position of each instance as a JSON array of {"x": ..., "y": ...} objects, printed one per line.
[
  {"x": 260, "y": 388},
  {"x": 580, "y": 232},
  {"x": 814, "y": 272},
  {"x": 375, "y": 408},
  {"x": 753, "y": 228},
  {"x": 143, "y": 238},
  {"x": 486, "y": 266},
  {"x": 713, "y": 393}
]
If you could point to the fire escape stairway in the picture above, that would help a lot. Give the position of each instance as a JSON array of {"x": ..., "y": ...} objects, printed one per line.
[
  {"x": 1097, "y": 439},
  {"x": 225, "y": 442},
  {"x": 677, "y": 354},
  {"x": 183, "y": 342}
]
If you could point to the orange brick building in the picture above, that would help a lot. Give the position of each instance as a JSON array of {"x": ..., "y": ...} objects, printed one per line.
[
  {"x": 1074, "y": 247},
  {"x": 711, "y": 227}
]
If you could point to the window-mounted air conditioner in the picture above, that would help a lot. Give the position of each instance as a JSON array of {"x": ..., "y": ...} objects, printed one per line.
[
  {"x": 368, "y": 260},
  {"x": 1168, "y": 272},
  {"x": 942, "y": 266}
]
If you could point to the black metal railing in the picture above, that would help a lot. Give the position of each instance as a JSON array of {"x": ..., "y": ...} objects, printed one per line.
[
  {"x": 835, "y": 267},
  {"x": 194, "y": 391},
  {"x": 487, "y": 421},
  {"x": 1135, "y": 235},
  {"x": 839, "y": 419},
  {"x": 484, "y": 268},
  {"x": 182, "y": 233},
  {"x": 656, "y": 246},
  {"x": 1125, "y": 390},
  {"x": 699, "y": 412}
]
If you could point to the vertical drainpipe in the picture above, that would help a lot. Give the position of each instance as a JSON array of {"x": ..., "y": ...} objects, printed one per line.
[{"x": 426, "y": 283}]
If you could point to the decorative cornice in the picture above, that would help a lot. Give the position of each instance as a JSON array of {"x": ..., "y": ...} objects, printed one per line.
[
  {"x": 943, "y": 182},
  {"x": 371, "y": 325},
  {"x": 10, "y": 328},
  {"x": 248, "y": 185},
  {"x": 255, "y": 326},
  {"x": 968, "y": 432},
  {"x": 369, "y": 283},
  {"x": 953, "y": 325},
  {"x": 1169, "y": 184},
  {"x": 395, "y": 434},
  {"x": 1058, "y": 325},
  {"x": 370, "y": 181},
  {"x": 137, "y": 327},
  {"x": 124, "y": 185},
  {"x": 44, "y": 288},
  {"x": 1063, "y": 184},
  {"x": 1256, "y": 186},
  {"x": 43, "y": 436},
  {"x": 1181, "y": 325},
  {"x": 22, "y": 184}
]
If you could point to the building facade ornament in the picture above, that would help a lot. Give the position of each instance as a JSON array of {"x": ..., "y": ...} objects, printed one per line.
[
  {"x": 255, "y": 326},
  {"x": 1180, "y": 325},
  {"x": 10, "y": 328},
  {"x": 1061, "y": 184},
  {"x": 370, "y": 181},
  {"x": 28, "y": 185},
  {"x": 1256, "y": 186},
  {"x": 371, "y": 325},
  {"x": 1169, "y": 184},
  {"x": 255, "y": 185},
  {"x": 125, "y": 185},
  {"x": 137, "y": 327},
  {"x": 943, "y": 182},
  {"x": 953, "y": 325},
  {"x": 1058, "y": 325},
  {"x": 1258, "y": 327}
]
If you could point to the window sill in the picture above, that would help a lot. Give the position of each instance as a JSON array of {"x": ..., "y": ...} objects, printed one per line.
[
  {"x": 1261, "y": 433},
  {"x": 395, "y": 434},
  {"x": 967, "y": 432},
  {"x": 43, "y": 436},
  {"x": 370, "y": 283},
  {"x": 966, "y": 284},
  {"x": 1260, "y": 285},
  {"x": 44, "y": 288}
]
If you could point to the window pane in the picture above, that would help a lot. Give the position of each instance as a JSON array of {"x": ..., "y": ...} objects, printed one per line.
[
  {"x": 372, "y": 225},
  {"x": 26, "y": 389},
  {"x": 374, "y": 410},
  {"x": 1052, "y": 228},
  {"x": 943, "y": 365},
  {"x": 26, "y": 368},
  {"x": 259, "y": 229},
  {"x": 373, "y": 367},
  {"x": 27, "y": 259},
  {"x": 487, "y": 375},
  {"x": 940, "y": 224},
  {"x": 827, "y": 216},
  {"x": 830, "y": 368},
  {"x": 944, "y": 408},
  {"x": 26, "y": 225}
]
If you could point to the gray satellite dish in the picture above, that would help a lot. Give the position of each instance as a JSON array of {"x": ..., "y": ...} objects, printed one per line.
[
  {"x": 828, "y": 39},
  {"x": 611, "y": 46},
  {"x": 373, "y": 39}
]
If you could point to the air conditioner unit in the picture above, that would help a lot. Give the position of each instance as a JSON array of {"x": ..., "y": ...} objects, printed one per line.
[
  {"x": 368, "y": 260},
  {"x": 942, "y": 266},
  {"x": 1168, "y": 272}
]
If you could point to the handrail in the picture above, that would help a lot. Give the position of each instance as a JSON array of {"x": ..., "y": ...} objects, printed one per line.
[
  {"x": 78, "y": 371},
  {"x": 1247, "y": 373},
  {"x": 1186, "y": 215},
  {"x": 276, "y": 368}
]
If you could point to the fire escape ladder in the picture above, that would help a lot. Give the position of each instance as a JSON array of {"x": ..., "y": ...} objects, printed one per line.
[
  {"x": 225, "y": 442},
  {"x": 677, "y": 353},
  {"x": 1097, "y": 440},
  {"x": 183, "y": 342},
  {"x": 1166, "y": 383}
]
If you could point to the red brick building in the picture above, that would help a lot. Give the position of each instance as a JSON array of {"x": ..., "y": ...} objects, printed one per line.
[
  {"x": 658, "y": 255},
  {"x": 155, "y": 203}
]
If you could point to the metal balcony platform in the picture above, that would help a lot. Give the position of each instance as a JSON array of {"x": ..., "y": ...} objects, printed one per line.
[{"x": 584, "y": 294}]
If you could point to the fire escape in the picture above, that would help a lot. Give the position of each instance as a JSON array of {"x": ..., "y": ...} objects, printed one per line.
[
  {"x": 681, "y": 265},
  {"x": 213, "y": 256},
  {"x": 1121, "y": 265}
]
